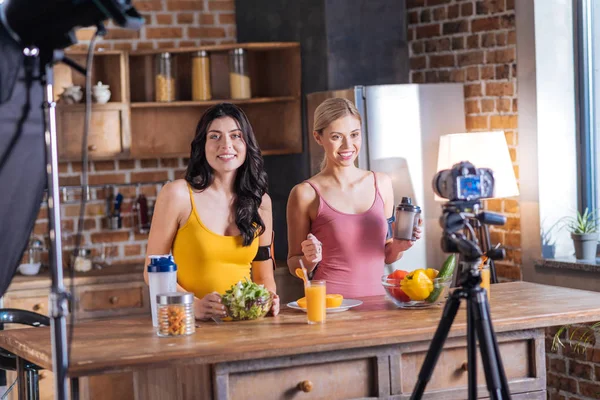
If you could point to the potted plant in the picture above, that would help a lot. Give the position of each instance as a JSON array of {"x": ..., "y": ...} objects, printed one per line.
[
  {"x": 548, "y": 242},
  {"x": 579, "y": 343},
  {"x": 584, "y": 232}
]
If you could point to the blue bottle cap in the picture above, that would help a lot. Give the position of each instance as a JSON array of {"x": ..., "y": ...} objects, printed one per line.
[{"x": 162, "y": 263}]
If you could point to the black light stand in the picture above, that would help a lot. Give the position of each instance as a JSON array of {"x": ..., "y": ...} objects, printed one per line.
[
  {"x": 58, "y": 300},
  {"x": 479, "y": 324},
  {"x": 40, "y": 28}
]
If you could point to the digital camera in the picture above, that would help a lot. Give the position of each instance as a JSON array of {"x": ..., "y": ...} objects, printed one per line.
[{"x": 464, "y": 182}]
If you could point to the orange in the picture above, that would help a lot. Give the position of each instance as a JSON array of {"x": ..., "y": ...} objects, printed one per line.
[
  {"x": 302, "y": 302},
  {"x": 331, "y": 300},
  {"x": 431, "y": 273},
  {"x": 334, "y": 300}
]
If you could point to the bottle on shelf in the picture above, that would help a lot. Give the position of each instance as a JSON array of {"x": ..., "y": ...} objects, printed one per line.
[
  {"x": 239, "y": 77},
  {"x": 201, "y": 88},
  {"x": 165, "y": 81}
]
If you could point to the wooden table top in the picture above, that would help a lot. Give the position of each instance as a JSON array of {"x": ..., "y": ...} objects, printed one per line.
[{"x": 103, "y": 346}]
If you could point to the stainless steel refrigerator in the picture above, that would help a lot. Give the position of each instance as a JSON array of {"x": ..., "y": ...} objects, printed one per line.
[{"x": 401, "y": 126}]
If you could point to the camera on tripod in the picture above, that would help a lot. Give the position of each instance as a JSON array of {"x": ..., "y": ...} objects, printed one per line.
[
  {"x": 463, "y": 221},
  {"x": 464, "y": 182},
  {"x": 465, "y": 232}
]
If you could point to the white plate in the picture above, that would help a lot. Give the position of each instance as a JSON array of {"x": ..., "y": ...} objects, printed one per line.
[{"x": 346, "y": 305}]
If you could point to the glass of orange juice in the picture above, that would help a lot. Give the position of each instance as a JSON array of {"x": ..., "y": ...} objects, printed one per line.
[
  {"x": 315, "y": 293},
  {"x": 485, "y": 278}
]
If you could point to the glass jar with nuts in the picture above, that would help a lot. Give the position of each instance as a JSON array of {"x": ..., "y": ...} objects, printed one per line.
[
  {"x": 165, "y": 81},
  {"x": 175, "y": 313}
]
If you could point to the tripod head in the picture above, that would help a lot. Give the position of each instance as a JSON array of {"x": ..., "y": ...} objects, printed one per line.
[{"x": 459, "y": 216}]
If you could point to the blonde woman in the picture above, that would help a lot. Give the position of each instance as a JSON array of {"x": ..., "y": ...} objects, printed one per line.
[{"x": 338, "y": 219}]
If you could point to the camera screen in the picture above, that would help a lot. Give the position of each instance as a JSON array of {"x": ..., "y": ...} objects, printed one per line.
[{"x": 469, "y": 186}]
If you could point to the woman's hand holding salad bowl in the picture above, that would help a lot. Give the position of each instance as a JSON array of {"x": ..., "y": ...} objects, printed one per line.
[
  {"x": 245, "y": 300},
  {"x": 210, "y": 306}
]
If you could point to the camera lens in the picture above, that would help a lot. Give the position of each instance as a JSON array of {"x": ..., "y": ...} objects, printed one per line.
[{"x": 439, "y": 183}]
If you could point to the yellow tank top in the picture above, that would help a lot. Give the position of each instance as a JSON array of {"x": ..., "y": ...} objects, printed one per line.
[{"x": 208, "y": 262}]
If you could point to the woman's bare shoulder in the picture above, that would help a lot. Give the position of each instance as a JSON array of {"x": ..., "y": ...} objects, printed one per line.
[
  {"x": 176, "y": 192},
  {"x": 303, "y": 192},
  {"x": 266, "y": 203},
  {"x": 383, "y": 180}
]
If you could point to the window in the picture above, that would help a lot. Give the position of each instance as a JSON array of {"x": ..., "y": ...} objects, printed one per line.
[{"x": 588, "y": 83}]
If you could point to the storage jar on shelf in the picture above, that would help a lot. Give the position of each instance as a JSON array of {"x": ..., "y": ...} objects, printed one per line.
[
  {"x": 201, "y": 87},
  {"x": 239, "y": 77},
  {"x": 165, "y": 82}
]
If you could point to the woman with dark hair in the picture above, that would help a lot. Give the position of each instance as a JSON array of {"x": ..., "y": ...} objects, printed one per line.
[{"x": 216, "y": 219}]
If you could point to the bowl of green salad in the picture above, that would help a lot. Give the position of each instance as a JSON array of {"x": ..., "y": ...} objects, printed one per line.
[{"x": 247, "y": 300}]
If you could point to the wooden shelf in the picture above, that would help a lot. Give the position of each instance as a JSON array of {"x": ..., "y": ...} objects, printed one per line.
[
  {"x": 110, "y": 106},
  {"x": 222, "y": 47},
  {"x": 257, "y": 100},
  {"x": 273, "y": 152},
  {"x": 133, "y": 125}
]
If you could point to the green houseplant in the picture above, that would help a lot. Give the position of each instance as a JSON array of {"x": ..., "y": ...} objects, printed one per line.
[
  {"x": 584, "y": 232},
  {"x": 579, "y": 337}
]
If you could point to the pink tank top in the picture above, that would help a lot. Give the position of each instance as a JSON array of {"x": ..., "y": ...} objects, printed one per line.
[{"x": 353, "y": 248}]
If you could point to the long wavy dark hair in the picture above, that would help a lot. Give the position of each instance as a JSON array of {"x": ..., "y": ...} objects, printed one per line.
[{"x": 250, "y": 180}]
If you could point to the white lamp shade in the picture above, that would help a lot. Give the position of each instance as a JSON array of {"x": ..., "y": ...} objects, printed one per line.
[{"x": 483, "y": 150}]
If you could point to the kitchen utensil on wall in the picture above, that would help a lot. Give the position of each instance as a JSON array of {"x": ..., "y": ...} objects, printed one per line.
[
  {"x": 113, "y": 210},
  {"x": 139, "y": 214}
]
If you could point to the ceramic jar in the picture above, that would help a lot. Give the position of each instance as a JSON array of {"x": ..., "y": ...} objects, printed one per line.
[
  {"x": 71, "y": 95},
  {"x": 101, "y": 93}
]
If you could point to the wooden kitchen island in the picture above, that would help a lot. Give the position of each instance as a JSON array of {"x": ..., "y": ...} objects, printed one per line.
[{"x": 372, "y": 351}]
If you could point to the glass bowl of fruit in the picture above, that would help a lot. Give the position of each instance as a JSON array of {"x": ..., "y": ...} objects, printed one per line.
[{"x": 419, "y": 288}]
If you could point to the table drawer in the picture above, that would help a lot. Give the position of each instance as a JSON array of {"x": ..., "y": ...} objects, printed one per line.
[
  {"x": 107, "y": 300},
  {"x": 343, "y": 374},
  {"x": 38, "y": 304},
  {"x": 522, "y": 357},
  {"x": 336, "y": 380}
]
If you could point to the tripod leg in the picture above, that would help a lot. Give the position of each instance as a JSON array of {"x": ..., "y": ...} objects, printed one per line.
[
  {"x": 437, "y": 343},
  {"x": 471, "y": 353},
  {"x": 503, "y": 381},
  {"x": 487, "y": 345}
]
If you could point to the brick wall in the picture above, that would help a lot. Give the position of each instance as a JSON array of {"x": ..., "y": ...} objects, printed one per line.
[
  {"x": 573, "y": 372},
  {"x": 169, "y": 23},
  {"x": 474, "y": 42},
  {"x": 172, "y": 23},
  {"x": 128, "y": 177}
]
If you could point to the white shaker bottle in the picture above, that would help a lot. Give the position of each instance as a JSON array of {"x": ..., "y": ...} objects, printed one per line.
[
  {"x": 407, "y": 218},
  {"x": 162, "y": 278}
]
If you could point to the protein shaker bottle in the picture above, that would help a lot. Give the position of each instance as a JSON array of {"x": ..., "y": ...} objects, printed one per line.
[
  {"x": 162, "y": 278},
  {"x": 407, "y": 218}
]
